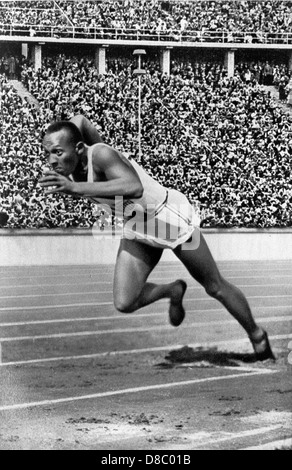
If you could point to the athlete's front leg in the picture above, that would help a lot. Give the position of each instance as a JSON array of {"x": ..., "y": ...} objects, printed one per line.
[{"x": 135, "y": 263}]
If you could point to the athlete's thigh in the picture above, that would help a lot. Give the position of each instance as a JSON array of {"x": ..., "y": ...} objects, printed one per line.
[
  {"x": 200, "y": 263},
  {"x": 135, "y": 262}
]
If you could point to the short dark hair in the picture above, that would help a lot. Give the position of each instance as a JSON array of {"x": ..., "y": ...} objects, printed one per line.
[{"x": 74, "y": 133}]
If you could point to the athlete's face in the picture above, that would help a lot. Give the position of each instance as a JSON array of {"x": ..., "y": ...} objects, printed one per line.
[{"x": 62, "y": 154}]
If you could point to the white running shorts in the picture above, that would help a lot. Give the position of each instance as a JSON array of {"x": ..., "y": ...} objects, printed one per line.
[{"x": 167, "y": 227}]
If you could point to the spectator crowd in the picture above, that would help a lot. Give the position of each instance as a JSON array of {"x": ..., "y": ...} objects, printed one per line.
[
  {"x": 33, "y": 18},
  {"x": 11, "y": 66},
  {"x": 21, "y": 163},
  {"x": 260, "y": 21},
  {"x": 223, "y": 142}
]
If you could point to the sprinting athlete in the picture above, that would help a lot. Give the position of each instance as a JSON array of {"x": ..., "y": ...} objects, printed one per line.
[{"x": 155, "y": 219}]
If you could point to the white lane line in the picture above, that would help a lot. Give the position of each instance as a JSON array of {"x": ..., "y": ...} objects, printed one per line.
[
  {"x": 199, "y": 439},
  {"x": 97, "y": 283},
  {"x": 67, "y": 294},
  {"x": 128, "y": 317},
  {"x": 70, "y": 284},
  {"x": 50, "y": 307},
  {"x": 218, "y": 310},
  {"x": 174, "y": 347},
  {"x": 103, "y": 304},
  {"x": 86, "y": 319},
  {"x": 102, "y": 273},
  {"x": 98, "y": 292},
  {"x": 240, "y": 435},
  {"x": 284, "y": 443},
  {"x": 19, "y": 273},
  {"x": 96, "y": 396},
  {"x": 141, "y": 329},
  {"x": 137, "y": 316},
  {"x": 163, "y": 265}
]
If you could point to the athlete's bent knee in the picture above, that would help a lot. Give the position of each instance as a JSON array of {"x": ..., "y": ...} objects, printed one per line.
[
  {"x": 215, "y": 290},
  {"x": 124, "y": 307}
]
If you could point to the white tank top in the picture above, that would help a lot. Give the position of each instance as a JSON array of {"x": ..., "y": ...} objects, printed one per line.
[{"x": 154, "y": 195}]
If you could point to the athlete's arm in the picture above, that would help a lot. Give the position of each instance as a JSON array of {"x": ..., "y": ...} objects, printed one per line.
[
  {"x": 120, "y": 178},
  {"x": 89, "y": 133}
]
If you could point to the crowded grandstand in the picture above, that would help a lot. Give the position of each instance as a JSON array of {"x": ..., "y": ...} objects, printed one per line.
[
  {"x": 223, "y": 141},
  {"x": 173, "y": 20}
]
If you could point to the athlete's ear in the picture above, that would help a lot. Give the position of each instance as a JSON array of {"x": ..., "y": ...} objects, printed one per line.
[{"x": 80, "y": 148}]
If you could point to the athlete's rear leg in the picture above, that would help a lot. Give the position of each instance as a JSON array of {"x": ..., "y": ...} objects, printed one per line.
[
  {"x": 203, "y": 268},
  {"x": 135, "y": 263}
]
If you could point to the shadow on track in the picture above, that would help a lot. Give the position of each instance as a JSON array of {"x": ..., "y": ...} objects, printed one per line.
[{"x": 205, "y": 357}]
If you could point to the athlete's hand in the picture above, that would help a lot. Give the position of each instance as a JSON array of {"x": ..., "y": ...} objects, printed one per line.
[{"x": 52, "y": 183}]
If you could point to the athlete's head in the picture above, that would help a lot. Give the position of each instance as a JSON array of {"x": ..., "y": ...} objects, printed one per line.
[{"x": 63, "y": 147}]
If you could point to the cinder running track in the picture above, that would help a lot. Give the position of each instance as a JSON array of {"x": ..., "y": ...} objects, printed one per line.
[{"x": 75, "y": 374}]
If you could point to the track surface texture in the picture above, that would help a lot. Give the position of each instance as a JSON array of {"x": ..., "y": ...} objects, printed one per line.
[{"x": 76, "y": 374}]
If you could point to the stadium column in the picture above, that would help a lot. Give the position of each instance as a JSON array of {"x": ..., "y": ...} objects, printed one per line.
[
  {"x": 165, "y": 61},
  {"x": 100, "y": 59},
  {"x": 37, "y": 56},
  {"x": 24, "y": 50},
  {"x": 230, "y": 62},
  {"x": 290, "y": 61}
]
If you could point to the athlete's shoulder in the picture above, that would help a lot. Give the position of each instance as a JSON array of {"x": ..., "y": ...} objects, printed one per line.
[
  {"x": 102, "y": 149},
  {"x": 100, "y": 146},
  {"x": 104, "y": 156}
]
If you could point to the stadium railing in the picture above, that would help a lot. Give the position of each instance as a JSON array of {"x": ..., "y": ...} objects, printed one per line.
[{"x": 91, "y": 33}]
